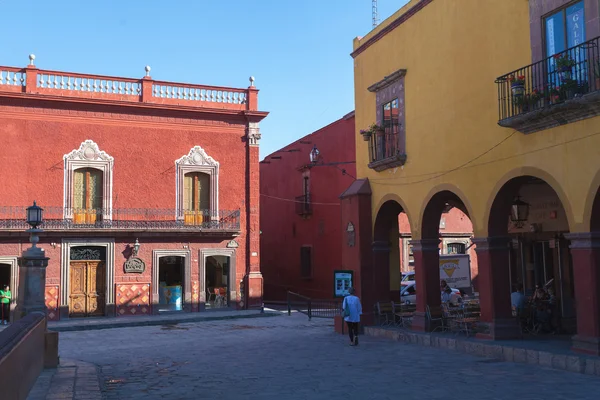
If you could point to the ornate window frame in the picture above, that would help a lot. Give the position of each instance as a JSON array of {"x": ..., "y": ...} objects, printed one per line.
[
  {"x": 88, "y": 155},
  {"x": 197, "y": 161}
]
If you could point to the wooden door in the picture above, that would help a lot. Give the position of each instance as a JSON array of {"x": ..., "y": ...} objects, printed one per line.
[{"x": 88, "y": 288}]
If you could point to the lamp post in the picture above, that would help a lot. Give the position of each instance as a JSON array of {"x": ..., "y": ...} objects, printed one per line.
[{"x": 32, "y": 268}]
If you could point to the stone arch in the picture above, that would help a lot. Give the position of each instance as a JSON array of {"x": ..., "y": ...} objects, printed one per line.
[
  {"x": 435, "y": 201},
  {"x": 392, "y": 197},
  {"x": 591, "y": 211},
  {"x": 498, "y": 204}
]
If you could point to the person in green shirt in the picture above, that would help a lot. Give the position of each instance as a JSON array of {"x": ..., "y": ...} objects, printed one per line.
[{"x": 5, "y": 296}]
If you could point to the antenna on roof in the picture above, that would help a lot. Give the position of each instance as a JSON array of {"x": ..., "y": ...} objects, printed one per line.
[{"x": 375, "y": 14}]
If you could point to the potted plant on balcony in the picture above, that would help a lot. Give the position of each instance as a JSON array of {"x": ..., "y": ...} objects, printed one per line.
[
  {"x": 535, "y": 98},
  {"x": 517, "y": 84},
  {"x": 374, "y": 129},
  {"x": 564, "y": 64}
]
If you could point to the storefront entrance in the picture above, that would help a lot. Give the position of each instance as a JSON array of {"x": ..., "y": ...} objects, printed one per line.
[
  {"x": 171, "y": 283},
  {"x": 217, "y": 281},
  {"x": 88, "y": 280},
  {"x": 5, "y": 276}
]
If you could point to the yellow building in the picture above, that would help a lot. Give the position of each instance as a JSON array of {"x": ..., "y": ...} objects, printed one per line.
[{"x": 518, "y": 152}]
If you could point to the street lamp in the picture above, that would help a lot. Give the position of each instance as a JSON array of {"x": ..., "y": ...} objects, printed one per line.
[
  {"x": 314, "y": 155},
  {"x": 519, "y": 212},
  {"x": 34, "y": 215}
]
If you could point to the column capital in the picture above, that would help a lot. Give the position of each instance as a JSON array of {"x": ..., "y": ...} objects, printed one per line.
[
  {"x": 584, "y": 240},
  {"x": 253, "y": 133},
  {"x": 491, "y": 243},
  {"x": 425, "y": 245}
]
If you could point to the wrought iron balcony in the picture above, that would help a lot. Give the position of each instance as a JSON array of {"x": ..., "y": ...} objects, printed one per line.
[
  {"x": 384, "y": 149},
  {"x": 303, "y": 206},
  {"x": 59, "y": 218},
  {"x": 558, "y": 90}
]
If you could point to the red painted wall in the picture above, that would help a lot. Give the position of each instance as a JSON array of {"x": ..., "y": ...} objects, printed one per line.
[{"x": 284, "y": 232}]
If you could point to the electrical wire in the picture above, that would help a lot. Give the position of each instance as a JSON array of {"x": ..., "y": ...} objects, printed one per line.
[
  {"x": 298, "y": 201},
  {"x": 466, "y": 165}
]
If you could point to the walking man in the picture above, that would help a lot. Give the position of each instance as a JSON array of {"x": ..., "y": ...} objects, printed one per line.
[
  {"x": 352, "y": 312},
  {"x": 5, "y": 296}
]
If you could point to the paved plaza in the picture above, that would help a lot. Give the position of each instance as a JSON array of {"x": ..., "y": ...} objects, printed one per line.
[{"x": 284, "y": 358}]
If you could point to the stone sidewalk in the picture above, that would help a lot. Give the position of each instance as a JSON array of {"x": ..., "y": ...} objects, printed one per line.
[
  {"x": 71, "y": 380},
  {"x": 84, "y": 324},
  {"x": 555, "y": 354}
]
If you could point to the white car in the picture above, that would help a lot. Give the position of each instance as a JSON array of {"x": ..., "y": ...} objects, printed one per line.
[
  {"x": 408, "y": 279},
  {"x": 408, "y": 294}
]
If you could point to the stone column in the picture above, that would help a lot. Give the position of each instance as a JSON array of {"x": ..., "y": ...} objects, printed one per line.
[
  {"x": 427, "y": 278},
  {"x": 585, "y": 253},
  {"x": 496, "y": 321},
  {"x": 32, "y": 279},
  {"x": 254, "y": 287}
]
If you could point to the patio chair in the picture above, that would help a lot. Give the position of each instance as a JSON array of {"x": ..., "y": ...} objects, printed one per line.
[{"x": 432, "y": 320}]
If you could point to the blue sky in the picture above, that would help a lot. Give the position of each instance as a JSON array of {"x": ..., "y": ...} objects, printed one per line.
[{"x": 298, "y": 51}]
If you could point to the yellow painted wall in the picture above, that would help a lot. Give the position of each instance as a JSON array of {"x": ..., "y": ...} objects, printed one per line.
[{"x": 453, "y": 50}]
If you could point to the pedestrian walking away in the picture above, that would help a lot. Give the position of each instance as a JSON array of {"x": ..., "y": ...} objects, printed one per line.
[
  {"x": 352, "y": 311},
  {"x": 5, "y": 296}
]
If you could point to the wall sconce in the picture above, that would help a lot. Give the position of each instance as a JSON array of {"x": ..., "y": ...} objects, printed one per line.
[
  {"x": 136, "y": 248},
  {"x": 53, "y": 245}
]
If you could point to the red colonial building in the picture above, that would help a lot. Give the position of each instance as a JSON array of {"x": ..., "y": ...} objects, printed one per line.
[
  {"x": 302, "y": 236},
  {"x": 149, "y": 190}
]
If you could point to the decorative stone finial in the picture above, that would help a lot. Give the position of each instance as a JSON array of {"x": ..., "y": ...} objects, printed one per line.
[
  {"x": 147, "y": 70},
  {"x": 252, "y": 81},
  {"x": 31, "y": 58}
]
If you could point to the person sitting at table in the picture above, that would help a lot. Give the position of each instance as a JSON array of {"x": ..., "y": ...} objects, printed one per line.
[{"x": 448, "y": 296}]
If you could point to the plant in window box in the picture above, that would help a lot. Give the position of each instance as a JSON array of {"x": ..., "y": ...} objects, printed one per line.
[
  {"x": 370, "y": 131},
  {"x": 517, "y": 84}
]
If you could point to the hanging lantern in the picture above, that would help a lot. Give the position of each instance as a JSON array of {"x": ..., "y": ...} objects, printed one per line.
[
  {"x": 519, "y": 211},
  {"x": 314, "y": 155}
]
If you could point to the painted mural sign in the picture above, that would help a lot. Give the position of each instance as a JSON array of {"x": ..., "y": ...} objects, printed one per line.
[
  {"x": 342, "y": 281},
  {"x": 455, "y": 269}
]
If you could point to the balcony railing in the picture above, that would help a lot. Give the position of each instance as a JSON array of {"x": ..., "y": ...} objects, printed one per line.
[
  {"x": 385, "y": 150},
  {"x": 59, "y": 218},
  {"x": 557, "y": 90},
  {"x": 100, "y": 87},
  {"x": 303, "y": 206}
]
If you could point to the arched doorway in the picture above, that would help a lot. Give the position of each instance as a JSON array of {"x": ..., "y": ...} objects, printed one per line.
[
  {"x": 433, "y": 247},
  {"x": 528, "y": 249},
  {"x": 384, "y": 283}
]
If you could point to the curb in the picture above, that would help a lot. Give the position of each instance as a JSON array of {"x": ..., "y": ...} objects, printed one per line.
[
  {"x": 157, "y": 322},
  {"x": 588, "y": 365}
]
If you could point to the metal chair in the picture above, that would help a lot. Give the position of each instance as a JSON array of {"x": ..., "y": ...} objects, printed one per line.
[{"x": 431, "y": 320}]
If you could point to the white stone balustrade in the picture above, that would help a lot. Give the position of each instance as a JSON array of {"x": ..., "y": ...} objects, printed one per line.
[
  {"x": 12, "y": 77},
  {"x": 89, "y": 84},
  {"x": 199, "y": 93}
]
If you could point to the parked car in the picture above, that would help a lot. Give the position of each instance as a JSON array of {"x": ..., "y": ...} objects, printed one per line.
[
  {"x": 408, "y": 278},
  {"x": 408, "y": 294}
]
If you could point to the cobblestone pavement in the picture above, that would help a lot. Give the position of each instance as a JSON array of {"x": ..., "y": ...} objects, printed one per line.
[{"x": 286, "y": 358}]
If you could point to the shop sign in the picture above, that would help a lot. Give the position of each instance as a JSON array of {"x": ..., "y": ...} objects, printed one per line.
[
  {"x": 342, "y": 282},
  {"x": 134, "y": 265}
]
